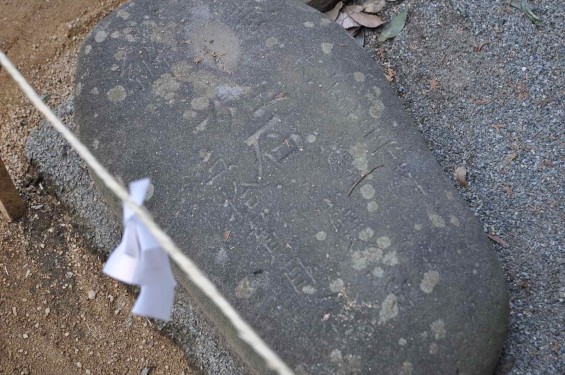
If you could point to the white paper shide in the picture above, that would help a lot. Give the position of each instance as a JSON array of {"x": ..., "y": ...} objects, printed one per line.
[{"x": 139, "y": 260}]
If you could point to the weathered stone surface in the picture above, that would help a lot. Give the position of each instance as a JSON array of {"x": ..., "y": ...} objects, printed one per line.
[{"x": 256, "y": 124}]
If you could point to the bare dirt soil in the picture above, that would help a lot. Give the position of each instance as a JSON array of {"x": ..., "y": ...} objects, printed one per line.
[{"x": 59, "y": 313}]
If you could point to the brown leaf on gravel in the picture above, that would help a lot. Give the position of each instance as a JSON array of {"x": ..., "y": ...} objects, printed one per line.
[
  {"x": 461, "y": 176},
  {"x": 497, "y": 127},
  {"x": 511, "y": 157},
  {"x": 367, "y": 20},
  {"x": 507, "y": 189},
  {"x": 354, "y": 31},
  {"x": 390, "y": 74},
  {"x": 498, "y": 240},
  {"x": 522, "y": 91},
  {"x": 374, "y": 6},
  {"x": 353, "y": 16},
  {"x": 332, "y": 14},
  {"x": 345, "y": 20},
  {"x": 434, "y": 84}
]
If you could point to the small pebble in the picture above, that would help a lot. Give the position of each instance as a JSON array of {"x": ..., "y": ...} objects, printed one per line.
[{"x": 91, "y": 294}]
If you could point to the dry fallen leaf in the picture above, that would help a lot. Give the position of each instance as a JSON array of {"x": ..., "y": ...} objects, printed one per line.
[
  {"x": 360, "y": 37},
  {"x": 507, "y": 189},
  {"x": 511, "y": 157},
  {"x": 345, "y": 20},
  {"x": 434, "y": 84},
  {"x": 395, "y": 26},
  {"x": 522, "y": 90},
  {"x": 354, "y": 31},
  {"x": 332, "y": 14},
  {"x": 461, "y": 176},
  {"x": 498, "y": 240},
  {"x": 390, "y": 74},
  {"x": 497, "y": 127},
  {"x": 366, "y": 19},
  {"x": 373, "y": 6},
  {"x": 526, "y": 8}
]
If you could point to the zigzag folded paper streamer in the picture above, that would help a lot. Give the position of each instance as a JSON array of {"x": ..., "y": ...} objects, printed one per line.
[{"x": 139, "y": 260}]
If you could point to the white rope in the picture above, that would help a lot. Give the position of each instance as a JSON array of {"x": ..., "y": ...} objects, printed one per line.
[{"x": 245, "y": 332}]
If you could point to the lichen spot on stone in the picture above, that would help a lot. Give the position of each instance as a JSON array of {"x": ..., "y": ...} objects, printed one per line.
[
  {"x": 378, "y": 272},
  {"x": 244, "y": 289},
  {"x": 434, "y": 348},
  {"x": 327, "y": 48},
  {"x": 454, "y": 221},
  {"x": 87, "y": 49},
  {"x": 336, "y": 356},
  {"x": 389, "y": 309},
  {"x": 123, "y": 14},
  {"x": 358, "y": 261},
  {"x": 438, "y": 329},
  {"x": 359, "y": 77},
  {"x": 437, "y": 221},
  {"x": 200, "y": 103},
  {"x": 189, "y": 115},
  {"x": 429, "y": 282},
  {"x": 372, "y": 206},
  {"x": 310, "y": 138},
  {"x": 367, "y": 191},
  {"x": 366, "y": 234},
  {"x": 402, "y": 341},
  {"x": 308, "y": 289},
  {"x": 201, "y": 127},
  {"x": 230, "y": 92},
  {"x": 117, "y": 94},
  {"x": 321, "y": 235},
  {"x": 325, "y": 21},
  {"x": 377, "y": 109},
  {"x": 94, "y": 91},
  {"x": 166, "y": 87},
  {"x": 78, "y": 89},
  {"x": 100, "y": 36},
  {"x": 336, "y": 285},
  {"x": 271, "y": 42},
  {"x": 390, "y": 259},
  {"x": 449, "y": 195},
  {"x": 120, "y": 55},
  {"x": 308, "y": 24},
  {"x": 384, "y": 242},
  {"x": 417, "y": 226},
  {"x": 406, "y": 369},
  {"x": 359, "y": 154},
  {"x": 182, "y": 71}
]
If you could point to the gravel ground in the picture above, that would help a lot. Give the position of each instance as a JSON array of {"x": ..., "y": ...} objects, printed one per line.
[
  {"x": 486, "y": 87},
  {"x": 483, "y": 84}
]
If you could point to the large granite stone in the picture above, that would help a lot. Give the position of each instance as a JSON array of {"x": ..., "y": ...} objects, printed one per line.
[{"x": 285, "y": 166}]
